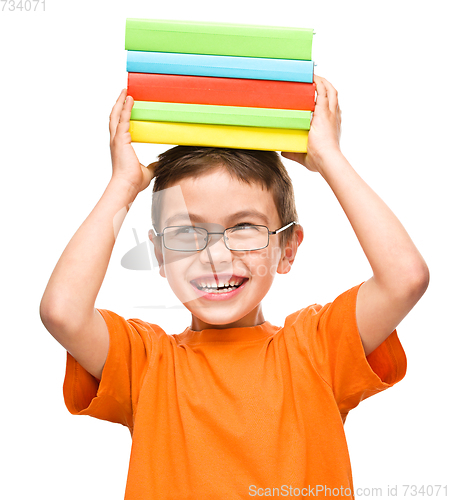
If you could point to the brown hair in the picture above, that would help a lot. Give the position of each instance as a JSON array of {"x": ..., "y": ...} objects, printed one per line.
[{"x": 262, "y": 167}]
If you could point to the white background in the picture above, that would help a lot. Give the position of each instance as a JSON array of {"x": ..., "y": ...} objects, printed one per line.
[{"x": 60, "y": 73}]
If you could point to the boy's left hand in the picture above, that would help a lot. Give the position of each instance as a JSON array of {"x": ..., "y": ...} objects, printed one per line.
[
  {"x": 325, "y": 132},
  {"x": 400, "y": 275}
]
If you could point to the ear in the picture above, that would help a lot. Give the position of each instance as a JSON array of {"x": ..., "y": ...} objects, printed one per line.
[
  {"x": 157, "y": 243},
  {"x": 290, "y": 250}
]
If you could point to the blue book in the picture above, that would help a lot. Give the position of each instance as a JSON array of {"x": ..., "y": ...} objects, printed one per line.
[{"x": 255, "y": 68}]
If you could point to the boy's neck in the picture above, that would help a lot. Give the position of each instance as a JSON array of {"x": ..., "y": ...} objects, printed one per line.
[{"x": 253, "y": 318}]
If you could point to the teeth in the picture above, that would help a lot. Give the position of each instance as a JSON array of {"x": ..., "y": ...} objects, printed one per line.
[
  {"x": 209, "y": 287},
  {"x": 216, "y": 291}
]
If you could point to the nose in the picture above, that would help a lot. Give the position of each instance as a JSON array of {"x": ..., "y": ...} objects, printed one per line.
[{"x": 215, "y": 252}]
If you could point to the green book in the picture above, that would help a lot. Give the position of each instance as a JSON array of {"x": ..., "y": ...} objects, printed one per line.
[
  {"x": 220, "y": 115},
  {"x": 223, "y": 39}
]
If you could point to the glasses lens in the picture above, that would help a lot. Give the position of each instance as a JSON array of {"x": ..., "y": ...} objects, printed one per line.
[
  {"x": 247, "y": 237},
  {"x": 187, "y": 238}
]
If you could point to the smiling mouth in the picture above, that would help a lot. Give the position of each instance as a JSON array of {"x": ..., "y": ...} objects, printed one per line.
[{"x": 233, "y": 284}]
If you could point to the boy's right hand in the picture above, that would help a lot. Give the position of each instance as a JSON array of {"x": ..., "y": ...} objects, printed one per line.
[{"x": 125, "y": 164}]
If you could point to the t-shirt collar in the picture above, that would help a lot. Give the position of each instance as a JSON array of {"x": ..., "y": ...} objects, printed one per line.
[{"x": 239, "y": 334}]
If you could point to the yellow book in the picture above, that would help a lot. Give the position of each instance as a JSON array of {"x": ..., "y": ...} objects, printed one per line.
[{"x": 220, "y": 136}]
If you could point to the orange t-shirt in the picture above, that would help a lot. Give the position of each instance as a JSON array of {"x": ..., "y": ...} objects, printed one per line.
[{"x": 240, "y": 412}]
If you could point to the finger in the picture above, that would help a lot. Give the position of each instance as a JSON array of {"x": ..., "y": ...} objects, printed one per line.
[
  {"x": 298, "y": 157},
  {"x": 152, "y": 166},
  {"x": 115, "y": 113},
  {"x": 332, "y": 95},
  {"x": 124, "y": 120},
  {"x": 317, "y": 78},
  {"x": 322, "y": 96},
  {"x": 147, "y": 175}
]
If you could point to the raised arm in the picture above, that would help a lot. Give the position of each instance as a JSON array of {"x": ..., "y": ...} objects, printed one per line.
[
  {"x": 67, "y": 307},
  {"x": 400, "y": 274}
]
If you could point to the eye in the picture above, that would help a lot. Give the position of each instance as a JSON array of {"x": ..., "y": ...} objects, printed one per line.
[
  {"x": 244, "y": 224},
  {"x": 241, "y": 226},
  {"x": 187, "y": 230}
]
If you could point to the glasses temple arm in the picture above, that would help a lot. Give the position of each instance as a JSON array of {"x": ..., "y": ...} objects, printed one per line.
[{"x": 282, "y": 228}]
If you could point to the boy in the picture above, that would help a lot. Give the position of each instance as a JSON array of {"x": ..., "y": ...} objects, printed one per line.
[{"x": 234, "y": 407}]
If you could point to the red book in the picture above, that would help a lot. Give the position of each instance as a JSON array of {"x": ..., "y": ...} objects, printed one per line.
[{"x": 221, "y": 91}]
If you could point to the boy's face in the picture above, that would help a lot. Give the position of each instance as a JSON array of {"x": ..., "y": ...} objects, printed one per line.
[{"x": 213, "y": 201}]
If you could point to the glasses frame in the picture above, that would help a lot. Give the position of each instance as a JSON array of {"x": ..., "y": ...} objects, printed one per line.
[{"x": 270, "y": 233}]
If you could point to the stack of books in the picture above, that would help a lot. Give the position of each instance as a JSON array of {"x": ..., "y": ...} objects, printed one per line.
[{"x": 220, "y": 85}]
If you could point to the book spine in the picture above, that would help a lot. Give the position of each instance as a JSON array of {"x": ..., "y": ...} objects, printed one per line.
[
  {"x": 221, "y": 91},
  {"x": 225, "y": 136},
  {"x": 220, "y": 66},
  {"x": 218, "y": 39},
  {"x": 221, "y": 115}
]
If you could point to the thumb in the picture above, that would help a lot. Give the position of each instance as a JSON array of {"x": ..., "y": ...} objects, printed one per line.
[
  {"x": 298, "y": 157},
  {"x": 151, "y": 167},
  {"x": 147, "y": 175}
]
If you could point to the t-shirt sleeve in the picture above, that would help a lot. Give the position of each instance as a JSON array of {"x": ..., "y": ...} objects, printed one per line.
[
  {"x": 114, "y": 397},
  {"x": 336, "y": 350}
]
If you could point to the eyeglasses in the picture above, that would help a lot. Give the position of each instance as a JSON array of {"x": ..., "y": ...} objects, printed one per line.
[{"x": 240, "y": 238}]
